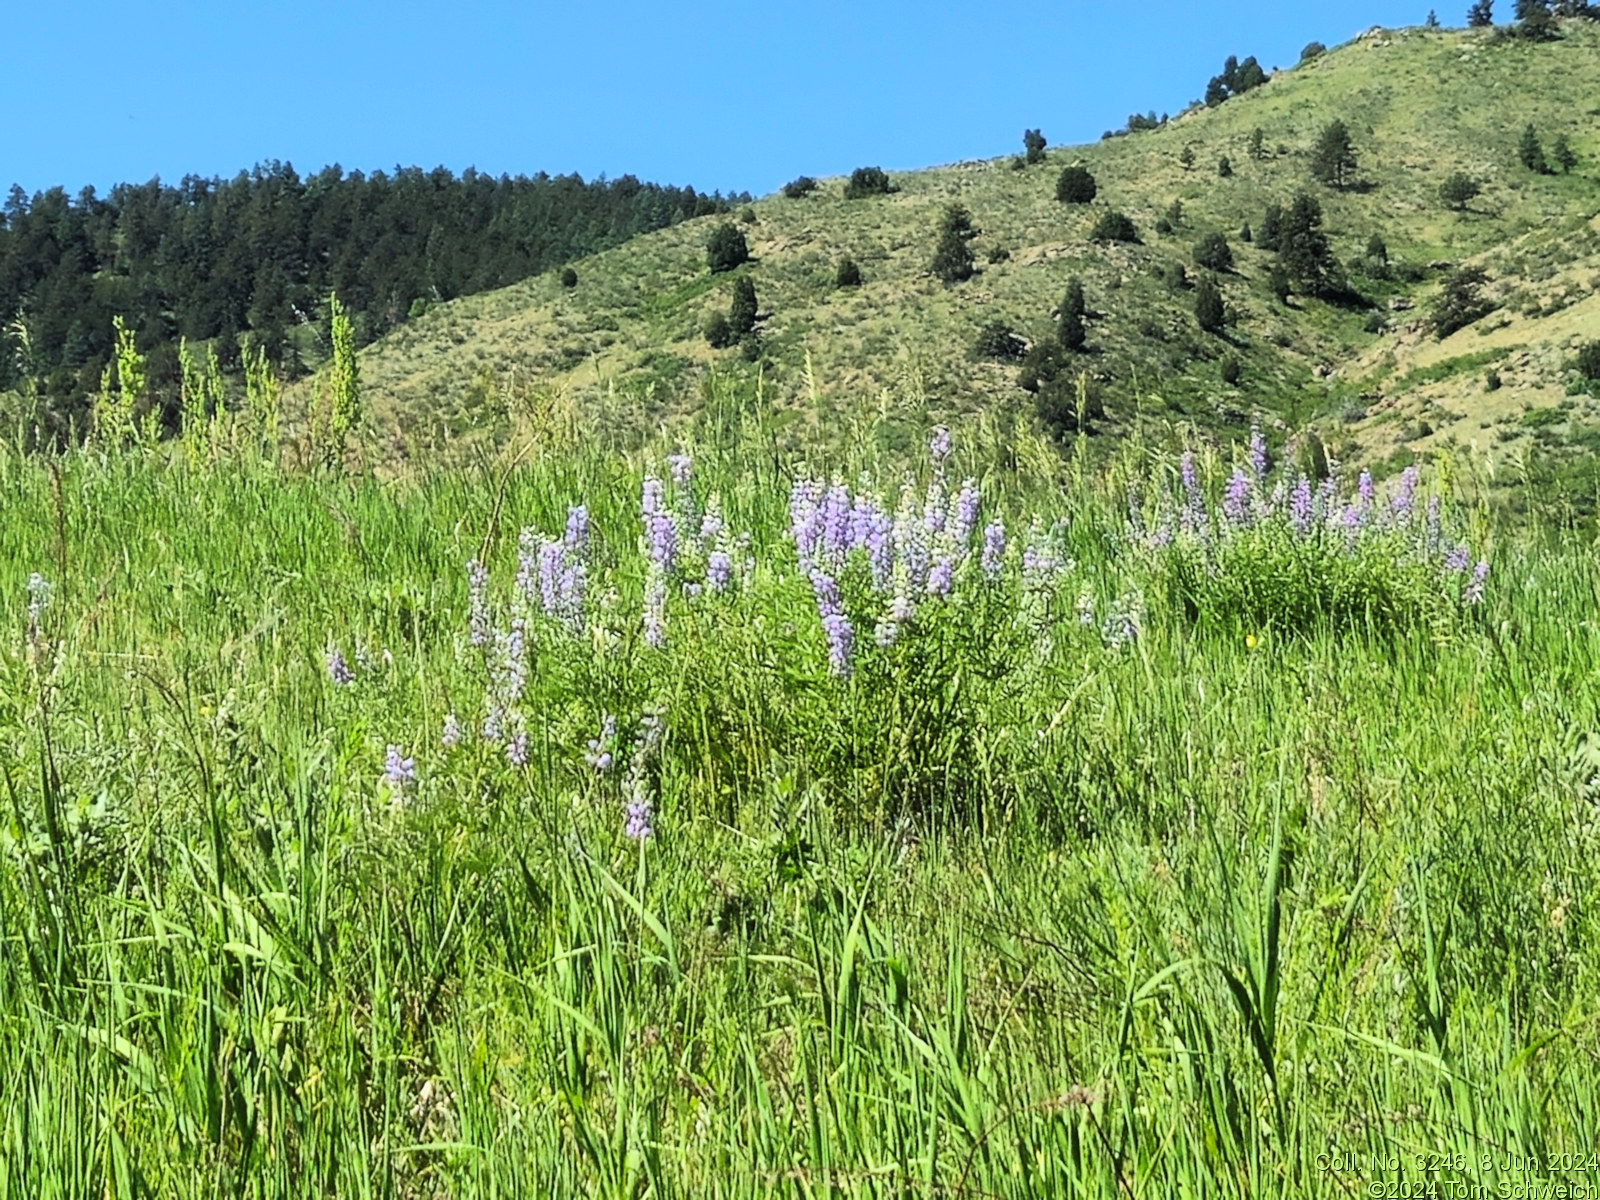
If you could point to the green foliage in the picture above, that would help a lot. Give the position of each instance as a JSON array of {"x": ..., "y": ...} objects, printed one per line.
[
  {"x": 1278, "y": 282},
  {"x": 1311, "y": 51},
  {"x": 719, "y": 331},
  {"x": 848, "y": 275},
  {"x": 1230, "y": 370},
  {"x": 337, "y": 413},
  {"x": 1461, "y": 302},
  {"x": 726, "y": 248},
  {"x": 996, "y": 340},
  {"x": 1303, "y": 248},
  {"x": 867, "y": 181},
  {"x": 1256, "y": 147},
  {"x": 1075, "y": 185},
  {"x": 1433, "y": 20},
  {"x": 1033, "y": 145},
  {"x": 1530, "y": 153},
  {"x": 1587, "y": 361},
  {"x": 952, "y": 257},
  {"x": 1245, "y": 235},
  {"x": 1070, "y": 331},
  {"x": 1213, "y": 253},
  {"x": 1481, "y": 14},
  {"x": 120, "y": 414},
  {"x": 1113, "y": 226},
  {"x": 1561, "y": 154},
  {"x": 1534, "y": 21},
  {"x": 1271, "y": 228},
  {"x": 743, "y": 309},
  {"x": 1333, "y": 157},
  {"x": 1209, "y": 312},
  {"x": 569, "y": 278},
  {"x": 1186, "y": 157},
  {"x": 797, "y": 189},
  {"x": 1224, "y": 168},
  {"x": 1458, "y": 190}
]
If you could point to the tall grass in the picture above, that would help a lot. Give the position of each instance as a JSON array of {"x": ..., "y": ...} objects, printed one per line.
[{"x": 1197, "y": 910}]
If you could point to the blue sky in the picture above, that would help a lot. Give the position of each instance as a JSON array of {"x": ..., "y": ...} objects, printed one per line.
[{"x": 710, "y": 93}]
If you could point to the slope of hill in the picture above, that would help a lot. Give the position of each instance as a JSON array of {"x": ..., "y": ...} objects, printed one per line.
[{"x": 1420, "y": 105}]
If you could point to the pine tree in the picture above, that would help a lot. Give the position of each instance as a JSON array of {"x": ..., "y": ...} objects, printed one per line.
[
  {"x": 1186, "y": 157},
  {"x": 1303, "y": 248},
  {"x": 1433, "y": 20},
  {"x": 1271, "y": 228},
  {"x": 1530, "y": 153},
  {"x": 1561, "y": 154},
  {"x": 1224, "y": 168},
  {"x": 1481, "y": 14},
  {"x": 1461, "y": 302},
  {"x": 742, "y": 312},
  {"x": 952, "y": 257},
  {"x": 1209, "y": 313},
  {"x": 1457, "y": 191},
  {"x": 726, "y": 248},
  {"x": 1257, "y": 144},
  {"x": 1213, "y": 253},
  {"x": 1333, "y": 158},
  {"x": 1071, "y": 332},
  {"x": 1534, "y": 21},
  {"x": 1033, "y": 144}
]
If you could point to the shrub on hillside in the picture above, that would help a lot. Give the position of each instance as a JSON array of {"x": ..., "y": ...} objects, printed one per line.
[
  {"x": 997, "y": 341},
  {"x": 1561, "y": 152},
  {"x": 1230, "y": 370},
  {"x": 1458, "y": 190},
  {"x": 952, "y": 256},
  {"x": 1209, "y": 313},
  {"x": 569, "y": 278},
  {"x": 1333, "y": 158},
  {"x": 1312, "y": 50},
  {"x": 1534, "y": 20},
  {"x": 848, "y": 275},
  {"x": 1213, "y": 253},
  {"x": 1481, "y": 14},
  {"x": 1224, "y": 168},
  {"x": 867, "y": 181},
  {"x": 1587, "y": 361},
  {"x": 795, "y": 189},
  {"x": 1033, "y": 144},
  {"x": 726, "y": 248},
  {"x": 1461, "y": 302},
  {"x": 743, "y": 311},
  {"x": 719, "y": 333},
  {"x": 1271, "y": 227},
  {"x": 1076, "y": 186},
  {"x": 1113, "y": 226},
  {"x": 1530, "y": 153},
  {"x": 1070, "y": 331}
]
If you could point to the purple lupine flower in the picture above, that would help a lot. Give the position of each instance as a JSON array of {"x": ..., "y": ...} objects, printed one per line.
[
  {"x": 1457, "y": 559},
  {"x": 338, "y": 669},
  {"x": 551, "y": 556},
  {"x": 1300, "y": 506},
  {"x": 1186, "y": 471},
  {"x": 719, "y": 571},
  {"x": 1258, "y": 452},
  {"x": 517, "y": 750},
  {"x": 901, "y": 608},
  {"x": 599, "y": 754},
  {"x": 478, "y": 603},
  {"x": 638, "y": 826},
  {"x": 1430, "y": 536},
  {"x": 933, "y": 509},
  {"x": 804, "y": 524},
  {"x": 711, "y": 525},
  {"x": 494, "y": 724},
  {"x": 994, "y": 549},
  {"x": 965, "y": 517},
  {"x": 655, "y": 610},
  {"x": 1236, "y": 499},
  {"x": 878, "y": 541},
  {"x": 661, "y": 533},
  {"x": 39, "y": 589},
  {"x": 450, "y": 738},
  {"x": 652, "y": 496},
  {"x": 1406, "y": 495},
  {"x": 826, "y": 590},
  {"x": 941, "y": 576},
  {"x": 680, "y": 466},
  {"x": 513, "y": 662},
  {"x": 835, "y": 519},
  {"x": 1364, "y": 488},
  {"x": 939, "y": 445},
  {"x": 577, "y": 532},
  {"x": 691, "y": 590},
  {"x": 1473, "y": 592},
  {"x": 841, "y": 639},
  {"x": 398, "y": 770}
]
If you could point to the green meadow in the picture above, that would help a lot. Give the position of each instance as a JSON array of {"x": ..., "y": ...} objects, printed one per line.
[{"x": 1175, "y": 848}]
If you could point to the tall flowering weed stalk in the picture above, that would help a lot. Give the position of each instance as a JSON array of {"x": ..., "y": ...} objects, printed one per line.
[
  {"x": 1285, "y": 551},
  {"x": 926, "y": 609}
]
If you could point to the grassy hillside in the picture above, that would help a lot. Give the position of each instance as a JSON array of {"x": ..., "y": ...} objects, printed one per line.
[{"x": 627, "y": 341}]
